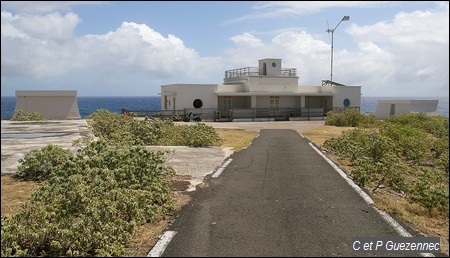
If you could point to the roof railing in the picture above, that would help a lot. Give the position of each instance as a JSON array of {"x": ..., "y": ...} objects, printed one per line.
[{"x": 255, "y": 71}]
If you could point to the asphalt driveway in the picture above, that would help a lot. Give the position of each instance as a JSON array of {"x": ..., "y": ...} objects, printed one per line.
[{"x": 278, "y": 197}]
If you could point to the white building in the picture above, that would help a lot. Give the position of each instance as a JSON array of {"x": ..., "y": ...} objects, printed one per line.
[
  {"x": 390, "y": 107},
  {"x": 267, "y": 92}
]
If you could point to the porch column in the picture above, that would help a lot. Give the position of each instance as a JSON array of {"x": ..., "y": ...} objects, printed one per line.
[
  {"x": 253, "y": 104},
  {"x": 302, "y": 101}
]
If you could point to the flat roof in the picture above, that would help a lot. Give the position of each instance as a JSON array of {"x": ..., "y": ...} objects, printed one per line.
[{"x": 46, "y": 93}]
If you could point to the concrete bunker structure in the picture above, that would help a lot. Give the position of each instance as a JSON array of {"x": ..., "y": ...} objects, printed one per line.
[
  {"x": 390, "y": 107},
  {"x": 52, "y": 104}
]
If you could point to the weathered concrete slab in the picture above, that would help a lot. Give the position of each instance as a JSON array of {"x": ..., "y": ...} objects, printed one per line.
[{"x": 18, "y": 138}]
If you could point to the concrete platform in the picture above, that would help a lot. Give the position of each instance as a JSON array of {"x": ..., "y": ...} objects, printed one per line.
[{"x": 18, "y": 138}]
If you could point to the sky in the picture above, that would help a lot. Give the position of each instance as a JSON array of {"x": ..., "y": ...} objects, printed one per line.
[{"x": 126, "y": 48}]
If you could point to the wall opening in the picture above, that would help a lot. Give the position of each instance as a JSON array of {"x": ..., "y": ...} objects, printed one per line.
[{"x": 197, "y": 103}]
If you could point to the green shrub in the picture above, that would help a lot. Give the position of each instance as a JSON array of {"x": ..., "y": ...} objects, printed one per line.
[
  {"x": 384, "y": 157},
  {"x": 350, "y": 117},
  {"x": 430, "y": 189},
  {"x": 38, "y": 164},
  {"x": 435, "y": 125},
  {"x": 92, "y": 204},
  {"x": 387, "y": 170},
  {"x": 22, "y": 115},
  {"x": 112, "y": 127},
  {"x": 413, "y": 144},
  {"x": 126, "y": 130},
  {"x": 373, "y": 156},
  {"x": 350, "y": 144},
  {"x": 200, "y": 135}
]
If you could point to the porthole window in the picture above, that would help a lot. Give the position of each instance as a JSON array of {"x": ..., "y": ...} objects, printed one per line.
[
  {"x": 198, "y": 103},
  {"x": 346, "y": 102},
  {"x": 274, "y": 64}
]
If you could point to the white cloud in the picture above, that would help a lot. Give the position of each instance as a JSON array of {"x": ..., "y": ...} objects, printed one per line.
[
  {"x": 414, "y": 46},
  {"x": 50, "y": 49},
  {"x": 247, "y": 40},
  {"x": 390, "y": 57},
  {"x": 276, "y": 9}
]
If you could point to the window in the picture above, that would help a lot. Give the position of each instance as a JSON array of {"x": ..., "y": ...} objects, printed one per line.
[
  {"x": 346, "y": 103},
  {"x": 197, "y": 103}
]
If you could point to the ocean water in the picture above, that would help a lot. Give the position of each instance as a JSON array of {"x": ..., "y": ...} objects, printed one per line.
[{"x": 88, "y": 105}]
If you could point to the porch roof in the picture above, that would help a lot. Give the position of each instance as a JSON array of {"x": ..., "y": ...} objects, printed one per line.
[{"x": 272, "y": 93}]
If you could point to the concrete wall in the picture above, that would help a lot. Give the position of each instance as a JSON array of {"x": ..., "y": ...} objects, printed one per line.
[
  {"x": 52, "y": 104},
  {"x": 231, "y": 87},
  {"x": 387, "y": 108},
  {"x": 183, "y": 95},
  {"x": 281, "y": 84},
  {"x": 271, "y": 67},
  {"x": 352, "y": 93}
]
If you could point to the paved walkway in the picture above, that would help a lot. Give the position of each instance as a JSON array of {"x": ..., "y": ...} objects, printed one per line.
[{"x": 277, "y": 198}]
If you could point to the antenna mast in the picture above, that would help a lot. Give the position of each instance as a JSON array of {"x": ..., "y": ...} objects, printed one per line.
[{"x": 345, "y": 18}]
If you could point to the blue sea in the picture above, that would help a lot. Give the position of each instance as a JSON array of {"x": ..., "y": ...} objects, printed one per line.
[{"x": 88, "y": 105}]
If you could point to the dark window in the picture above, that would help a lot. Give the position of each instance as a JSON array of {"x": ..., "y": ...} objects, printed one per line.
[
  {"x": 198, "y": 103},
  {"x": 346, "y": 102}
]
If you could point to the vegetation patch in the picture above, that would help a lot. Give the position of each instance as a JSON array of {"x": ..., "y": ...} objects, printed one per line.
[
  {"x": 22, "y": 115},
  {"x": 120, "y": 129},
  {"x": 402, "y": 161}
]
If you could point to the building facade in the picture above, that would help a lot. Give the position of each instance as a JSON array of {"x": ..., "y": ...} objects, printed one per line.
[{"x": 267, "y": 92}]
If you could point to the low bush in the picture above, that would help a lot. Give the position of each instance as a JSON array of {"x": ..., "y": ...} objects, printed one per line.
[
  {"x": 22, "y": 115},
  {"x": 91, "y": 204},
  {"x": 350, "y": 117},
  {"x": 127, "y": 130},
  {"x": 407, "y": 152},
  {"x": 37, "y": 165},
  {"x": 435, "y": 125},
  {"x": 430, "y": 189},
  {"x": 413, "y": 144}
]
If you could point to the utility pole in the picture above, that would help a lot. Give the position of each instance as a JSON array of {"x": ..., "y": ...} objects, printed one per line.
[{"x": 345, "y": 18}]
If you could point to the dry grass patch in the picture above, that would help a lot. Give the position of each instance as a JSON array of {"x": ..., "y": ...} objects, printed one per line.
[
  {"x": 414, "y": 216},
  {"x": 320, "y": 134},
  {"x": 238, "y": 139},
  {"x": 15, "y": 193}
]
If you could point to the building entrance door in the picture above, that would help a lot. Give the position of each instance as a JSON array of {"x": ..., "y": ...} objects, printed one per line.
[{"x": 226, "y": 106}]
